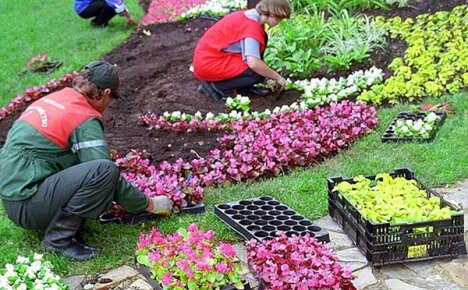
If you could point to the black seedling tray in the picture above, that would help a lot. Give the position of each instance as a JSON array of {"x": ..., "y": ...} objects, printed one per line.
[
  {"x": 384, "y": 244},
  {"x": 389, "y": 135},
  {"x": 262, "y": 218},
  {"x": 147, "y": 274},
  {"x": 129, "y": 218}
]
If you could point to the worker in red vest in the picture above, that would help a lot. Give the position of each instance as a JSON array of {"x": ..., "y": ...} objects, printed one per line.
[
  {"x": 229, "y": 56},
  {"x": 55, "y": 166}
]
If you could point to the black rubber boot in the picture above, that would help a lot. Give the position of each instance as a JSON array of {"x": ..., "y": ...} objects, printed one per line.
[{"x": 60, "y": 237}]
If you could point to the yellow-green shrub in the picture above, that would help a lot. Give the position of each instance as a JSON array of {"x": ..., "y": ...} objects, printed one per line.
[{"x": 435, "y": 62}]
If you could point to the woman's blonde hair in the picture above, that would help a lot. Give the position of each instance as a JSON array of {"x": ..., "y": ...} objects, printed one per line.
[{"x": 277, "y": 8}]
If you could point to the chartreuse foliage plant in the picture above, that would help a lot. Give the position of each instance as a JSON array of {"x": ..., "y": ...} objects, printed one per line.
[
  {"x": 189, "y": 259},
  {"x": 307, "y": 43},
  {"x": 435, "y": 62},
  {"x": 395, "y": 200}
]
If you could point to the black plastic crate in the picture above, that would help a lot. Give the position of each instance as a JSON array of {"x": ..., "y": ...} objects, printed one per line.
[
  {"x": 384, "y": 244},
  {"x": 147, "y": 274},
  {"x": 261, "y": 218},
  {"x": 389, "y": 135},
  {"x": 129, "y": 218}
]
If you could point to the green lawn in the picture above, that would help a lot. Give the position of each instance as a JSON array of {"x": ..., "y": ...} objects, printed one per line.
[
  {"x": 50, "y": 27},
  {"x": 32, "y": 27}
]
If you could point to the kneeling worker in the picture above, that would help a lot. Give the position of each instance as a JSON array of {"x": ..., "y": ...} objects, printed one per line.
[{"x": 55, "y": 166}]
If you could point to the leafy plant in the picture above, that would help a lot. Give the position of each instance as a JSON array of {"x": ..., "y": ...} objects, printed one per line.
[
  {"x": 297, "y": 263},
  {"x": 189, "y": 259},
  {"x": 30, "y": 273},
  {"x": 434, "y": 62}
]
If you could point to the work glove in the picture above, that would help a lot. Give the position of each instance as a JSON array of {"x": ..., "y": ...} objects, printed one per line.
[{"x": 162, "y": 205}]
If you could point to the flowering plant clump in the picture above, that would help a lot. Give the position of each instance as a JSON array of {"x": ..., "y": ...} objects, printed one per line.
[
  {"x": 172, "y": 180},
  {"x": 37, "y": 61},
  {"x": 295, "y": 262},
  {"x": 325, "y": 91},
  {"x": 189, "y": 259},
  {"x": 238, "y": 103},
  {"x": 35, "y": 93},
  {"x": 421, "y": 127},
  {"x": 30, "y": 274},
  {"x": 215, "y": 7}
]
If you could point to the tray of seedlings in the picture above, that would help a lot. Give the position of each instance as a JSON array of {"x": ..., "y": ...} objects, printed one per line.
[
  {"x": 421, "y": 126},
  {"x": 394, "y": 218},
  {"x": 262, "y": 218}
]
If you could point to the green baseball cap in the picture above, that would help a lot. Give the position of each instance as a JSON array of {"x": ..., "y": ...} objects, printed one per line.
[{"x": 104, "y": 75}]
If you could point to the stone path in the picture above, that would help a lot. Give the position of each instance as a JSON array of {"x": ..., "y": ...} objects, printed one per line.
[{"x": 440, "y": 274}]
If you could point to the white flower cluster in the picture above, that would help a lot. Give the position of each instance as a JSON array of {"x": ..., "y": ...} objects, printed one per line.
[
  {"x": 416, "y": 128},
  {"x": 238, "y": 103},
  {"x": 27, "y": 274},
  {"x": 324, "y": 91},
  {"x": 215, "y": 7},
  {"x": 233, "y": 115}
]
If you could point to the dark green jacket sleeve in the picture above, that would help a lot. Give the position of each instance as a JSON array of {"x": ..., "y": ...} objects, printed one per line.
[{"x": 88, "y": 142}]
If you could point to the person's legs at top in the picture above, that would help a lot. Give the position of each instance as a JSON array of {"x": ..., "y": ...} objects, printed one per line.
[
  {"x": 101, "y": 12},
  {"x": 242, "y": 83}
]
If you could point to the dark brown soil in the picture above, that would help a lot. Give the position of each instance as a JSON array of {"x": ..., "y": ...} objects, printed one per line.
[{"x": 155, "y": 76}]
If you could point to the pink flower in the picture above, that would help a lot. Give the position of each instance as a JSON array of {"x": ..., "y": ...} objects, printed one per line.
[
  {"x": 227, "y": 250},
  {"x": 167, "y": 279}
]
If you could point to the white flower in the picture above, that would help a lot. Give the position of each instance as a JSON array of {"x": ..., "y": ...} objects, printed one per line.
[
  {"x": 432, "y": 117},
  {"x": 229, "y": 101},
  {"x": 198, "y": 115},
  {"x": 191, "y": 68},
  {"x": 176, "y": 114},
  {"x": 276, "y": 110},
  {"x": 22, "y": 286},
  {"x": 166, "y": 115},
  {"x": 22, "y": 260},
  {"x": 37, "y": 257},
  {"x": 404, "y": 129},
  {"x": 209, "y": 116},
  {"x": 36, "y": 266}
]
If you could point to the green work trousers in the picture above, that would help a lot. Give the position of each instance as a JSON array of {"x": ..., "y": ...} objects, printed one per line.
[{"x": 85, "y": 190}]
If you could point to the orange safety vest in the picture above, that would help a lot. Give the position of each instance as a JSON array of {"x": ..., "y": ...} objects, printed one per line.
[
  {"x": 210, "y": 62},
  {"x": 57, "y": 115}
]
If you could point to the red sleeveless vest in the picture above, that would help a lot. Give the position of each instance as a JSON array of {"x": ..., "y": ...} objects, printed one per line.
[
  {"x": 56, "y": 115},
  {"x": 210, "y": 62}
]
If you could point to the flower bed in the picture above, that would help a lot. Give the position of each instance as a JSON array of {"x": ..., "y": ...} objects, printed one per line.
[
  {"x": 35, "y": 93},
  {"x": 189, "y": 259},
  {"x": 254, "y": 148},
  {"x": 297, "y": 263},
  {"x": 394, "y": 218}
]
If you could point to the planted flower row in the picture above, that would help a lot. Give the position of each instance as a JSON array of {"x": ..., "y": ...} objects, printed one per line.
[
  {"x": 35, "y": 93},
  {"x": 416, "y": 128},
  {"x": 161, "y": 11},
  {"x": 215, "y": 7},
  {"x": 324, "y": 91},
  {"x": 255, "y": 148}
]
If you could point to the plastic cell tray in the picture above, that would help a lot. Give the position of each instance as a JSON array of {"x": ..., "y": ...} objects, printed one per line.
[
  {"x": 389, "y": 135},
  {"x": 383, "y": 243},
  {"x": 128, "y": 218},
  {"x": 262, "y": 218}
]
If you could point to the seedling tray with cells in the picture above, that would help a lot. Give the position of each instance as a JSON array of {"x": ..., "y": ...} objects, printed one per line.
[
  {"x": 262, "y": 218},
  {"x": 423, "y": 132}
]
